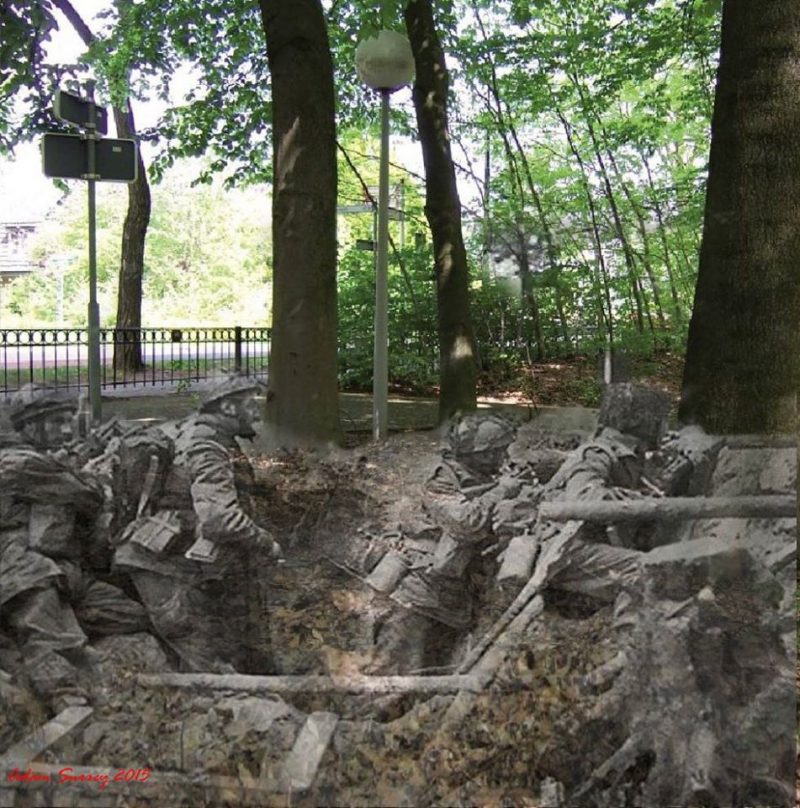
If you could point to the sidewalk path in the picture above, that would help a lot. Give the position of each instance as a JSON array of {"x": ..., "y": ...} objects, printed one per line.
[{"x": 355, "y": 411}]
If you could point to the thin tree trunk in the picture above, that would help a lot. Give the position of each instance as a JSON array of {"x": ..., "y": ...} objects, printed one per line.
[
  {"x": 598, "y": 244},
  {"x": 127, "y": 335},
  {"x": 531, "y": 306},
  {"x": 458, "y": 370},
  {"x": 561, "y": 316},
  {"x": 627, "y": 252},
  {"x": 647, "y": 261},
  {"x": 636, "y": 209},
  {"x": 662, "y": 231},
  {"x": 506, "y": 124}
]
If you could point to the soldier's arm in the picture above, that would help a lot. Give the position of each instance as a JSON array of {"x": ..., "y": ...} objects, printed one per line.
[
  {"x": 464, "y": 520},
  {"x": 216, "y": 501}
]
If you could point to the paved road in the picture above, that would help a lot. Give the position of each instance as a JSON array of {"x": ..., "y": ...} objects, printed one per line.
[{"x": 38, "y": 355}]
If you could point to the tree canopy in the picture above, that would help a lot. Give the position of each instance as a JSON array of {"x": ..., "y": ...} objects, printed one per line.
[{"x": 579, "y": 132}]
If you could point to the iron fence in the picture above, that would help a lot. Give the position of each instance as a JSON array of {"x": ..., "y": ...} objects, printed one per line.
[{"x": 129, "y": 357}]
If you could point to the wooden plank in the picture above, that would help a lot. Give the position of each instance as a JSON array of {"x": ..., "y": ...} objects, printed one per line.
[
  {"x": 300, "y": 767},
  {"x": 22, "y": 753},
  {"x": 671, "y": 508},
  {"x": 311, "y": 684},
  {"x": 507, "y": 642},
  {"x": 551, "y": 553}
]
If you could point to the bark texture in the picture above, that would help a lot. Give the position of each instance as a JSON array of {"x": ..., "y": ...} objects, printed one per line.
[
  {"x": 302, "y": 401},
  {"x": 127, "y": 335},
  {"x": 458, "y": 368},
  {"x": 743, "y": 353}
]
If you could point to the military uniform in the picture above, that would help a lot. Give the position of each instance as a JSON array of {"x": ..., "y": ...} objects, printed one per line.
[
  {"x": 434, "y": 598},
  {"x": 39, "y": 504},
  {"x": 202, "y": 609},
  {"x": 597, "y": 469},
  {"x": 611, "y": 464}
]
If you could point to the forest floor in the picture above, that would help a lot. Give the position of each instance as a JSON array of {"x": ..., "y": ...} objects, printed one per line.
[{"x": 573, "y": 381}]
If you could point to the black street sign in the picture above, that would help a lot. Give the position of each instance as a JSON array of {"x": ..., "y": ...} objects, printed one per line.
[
  {"x": 74, "y": 109},
  {"x": 66, "y": 156}
]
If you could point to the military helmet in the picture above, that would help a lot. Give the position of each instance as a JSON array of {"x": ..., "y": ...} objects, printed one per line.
[
  {"x": 480, "y": 432},
  {"x": 35, "y": 401},
  {"x": 233, "y": 385},
  {"x": 635, "y": 410}
]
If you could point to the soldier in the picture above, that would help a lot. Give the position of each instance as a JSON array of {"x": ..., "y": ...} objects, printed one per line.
[
  {"x": 435, "y": 604},
  {"x": 593, "y": 560},
  {"x": 41, "y": 504},
  {"x": 45, "y": 418},
  {"x": 194, "y": 548}
]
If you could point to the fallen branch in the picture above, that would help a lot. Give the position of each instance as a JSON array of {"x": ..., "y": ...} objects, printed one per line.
[
  {"x": 671, "y": 508},
  {"x": 311, "y": 683}
]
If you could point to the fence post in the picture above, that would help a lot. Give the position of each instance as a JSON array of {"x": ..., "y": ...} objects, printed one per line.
[{"x": 237, "y": 349}]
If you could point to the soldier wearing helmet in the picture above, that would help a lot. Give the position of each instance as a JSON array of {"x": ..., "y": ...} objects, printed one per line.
[
  {"x": 434, "y": 598},
  {"x": 43, "y": 416},
  {"x": 47, "y": 513},
  {"x": 193, "y": 548},
  {"x": 632, "y": 420}
]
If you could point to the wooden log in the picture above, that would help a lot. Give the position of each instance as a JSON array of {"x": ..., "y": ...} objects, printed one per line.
[
  {"x": 311, "y": 684},
  {"x": 21, "y": 754},
  {"x": 671, "y": 508}
]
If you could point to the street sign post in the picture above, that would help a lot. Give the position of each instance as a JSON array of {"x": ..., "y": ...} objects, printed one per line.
[
  {"x": 76, "y": 110},
  {"x": 67, "y": 157},
  {"x": 88, "y": 157}
]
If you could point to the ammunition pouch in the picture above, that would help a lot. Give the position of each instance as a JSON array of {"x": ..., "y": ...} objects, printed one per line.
[{"x": 156, "y": 533}]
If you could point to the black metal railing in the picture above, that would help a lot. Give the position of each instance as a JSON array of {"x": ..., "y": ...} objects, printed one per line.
[{"x": 129, "y": 357}]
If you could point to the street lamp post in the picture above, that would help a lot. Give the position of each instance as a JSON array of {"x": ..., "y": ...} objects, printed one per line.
[{"x": 384, "y": 63}]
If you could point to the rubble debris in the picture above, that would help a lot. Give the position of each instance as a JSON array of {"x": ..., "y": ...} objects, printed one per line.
[{"x": 647, "y": 663}]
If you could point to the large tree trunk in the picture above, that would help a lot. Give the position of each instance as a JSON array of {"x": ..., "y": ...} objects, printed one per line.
[
  {"x": 127, "y": 342},
  {"x": 303, "y": 394},
  {"x": 458, "y": 369},
  {"x": 743, "y": 354}
]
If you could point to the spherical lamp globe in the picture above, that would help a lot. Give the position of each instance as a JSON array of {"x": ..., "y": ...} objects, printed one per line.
[{"x": 385, "y": 61}]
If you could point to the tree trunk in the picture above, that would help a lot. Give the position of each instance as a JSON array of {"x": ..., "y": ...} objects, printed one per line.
[
  {"x": 743, "y": 355},
  {"x": 127, "y": 335},
  {"x": 597, "y": 240},
  {"x": 662, "y": 232},
  {"x": 302, "y": 403},
  {"x": 443, "y": 210},
  {"x": 530, "y": 306}
]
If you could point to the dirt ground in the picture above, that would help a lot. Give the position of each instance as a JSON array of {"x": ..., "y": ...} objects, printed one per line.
[{"x": 318, "y": 619}]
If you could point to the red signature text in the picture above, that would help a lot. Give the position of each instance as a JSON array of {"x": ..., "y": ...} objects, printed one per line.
[{"x": 70, "y": 775}]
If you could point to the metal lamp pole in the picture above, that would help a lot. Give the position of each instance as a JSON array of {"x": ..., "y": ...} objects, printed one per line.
[
  {"x": 380, "y": 381},
  {"x": 94, "y": 310},
  {"x": 385, "y": 63}
]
